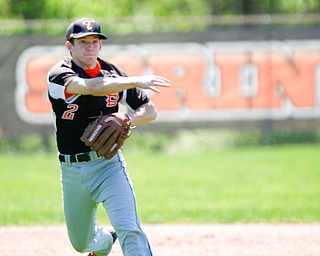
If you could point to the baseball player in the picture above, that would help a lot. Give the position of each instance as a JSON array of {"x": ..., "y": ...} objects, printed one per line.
[{"x": 81, "y": 88}]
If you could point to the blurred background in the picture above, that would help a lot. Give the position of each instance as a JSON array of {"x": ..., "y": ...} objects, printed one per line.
[{"x": 245, "y": 72}]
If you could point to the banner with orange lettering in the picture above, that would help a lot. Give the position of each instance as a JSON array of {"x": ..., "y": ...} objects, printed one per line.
[{"x": 212, "y": 81}]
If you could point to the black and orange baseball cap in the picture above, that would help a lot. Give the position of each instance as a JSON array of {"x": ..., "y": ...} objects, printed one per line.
[{"x": 84, "y": 27}]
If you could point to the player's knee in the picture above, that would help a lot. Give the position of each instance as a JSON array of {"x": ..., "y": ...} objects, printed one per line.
[
  {"x": 79, "y": 244},
  {"x": 78, "y": 247}
]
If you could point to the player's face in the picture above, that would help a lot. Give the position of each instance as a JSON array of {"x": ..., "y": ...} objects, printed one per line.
[{"x": 85, "y": 51}]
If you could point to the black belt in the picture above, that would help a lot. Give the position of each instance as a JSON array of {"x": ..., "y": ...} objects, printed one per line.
[{"x": 79, "y": 158}]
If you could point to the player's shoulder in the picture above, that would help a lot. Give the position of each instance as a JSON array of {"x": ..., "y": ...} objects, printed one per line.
[
  {"x": 62, "y": 66},
  {"x": 66, "y": 62},
  {"x": 106, "y": 65}
]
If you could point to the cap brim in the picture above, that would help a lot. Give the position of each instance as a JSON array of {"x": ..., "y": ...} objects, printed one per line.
[{"x": 80, "y": 35}]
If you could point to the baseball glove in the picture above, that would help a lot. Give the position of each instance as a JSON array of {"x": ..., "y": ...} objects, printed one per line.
[{"x": 107, "y": 134}]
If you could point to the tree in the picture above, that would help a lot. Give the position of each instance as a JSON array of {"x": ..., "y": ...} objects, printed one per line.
[{"x": 28, "y": 9}]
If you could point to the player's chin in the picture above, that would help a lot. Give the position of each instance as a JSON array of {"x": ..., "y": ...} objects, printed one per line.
[{"x": 90, "y": 60}]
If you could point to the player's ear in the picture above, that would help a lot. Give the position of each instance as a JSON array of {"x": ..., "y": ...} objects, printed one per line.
[
  {"x": 100, "y": 45},
  {"x": 68, "y": 44}
]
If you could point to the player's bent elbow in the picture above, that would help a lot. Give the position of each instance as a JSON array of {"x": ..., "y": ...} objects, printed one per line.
[
  {"x": 148, "y": 116},
  {"x": 152, "y": 111},
  {"x": 153, "y": 116}
]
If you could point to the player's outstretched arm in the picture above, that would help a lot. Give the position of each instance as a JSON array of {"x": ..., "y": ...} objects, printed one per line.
[{"x": 101, "y": 86}]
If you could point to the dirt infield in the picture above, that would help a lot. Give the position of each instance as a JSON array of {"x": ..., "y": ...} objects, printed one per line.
[{"x": 179, "y": 240}]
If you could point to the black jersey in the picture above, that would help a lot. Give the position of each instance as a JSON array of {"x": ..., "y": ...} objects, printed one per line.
[{"x": 72, "y": 113}]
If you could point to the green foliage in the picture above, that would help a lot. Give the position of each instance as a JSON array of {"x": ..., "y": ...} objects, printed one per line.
[
  {"x": 287, "y": 137},
  {"x": 145, "y": 16},
  {"x": 49, "y": 9},
  {"x": 202, "y": 139},
  {"x": 264, "y": 6},
  {"x": 28, "y": 9},
  {"x": 32, "y": 143},
  {"x": 149, "y": 142},
  {"x": 55, "y": 9},
  {"x": 181, "y": 140},
  {"x": 4, "y": 9}
]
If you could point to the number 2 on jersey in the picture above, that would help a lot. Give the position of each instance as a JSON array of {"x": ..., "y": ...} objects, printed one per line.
[{"x": 69, "y": 114}]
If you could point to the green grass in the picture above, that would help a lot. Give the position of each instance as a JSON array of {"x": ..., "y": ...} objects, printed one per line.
[
  {"x": 261, "y": 184},
  {"x": 275, "y": 184},
  {"x": 30, "y": 189}
]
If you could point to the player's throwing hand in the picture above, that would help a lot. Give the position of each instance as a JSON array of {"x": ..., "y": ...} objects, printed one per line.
[{"x": 151, "y": 82}]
